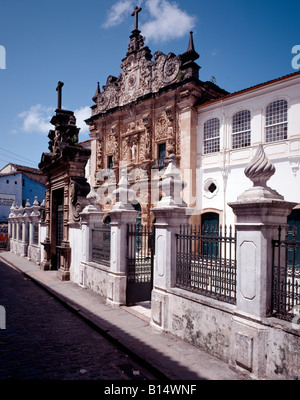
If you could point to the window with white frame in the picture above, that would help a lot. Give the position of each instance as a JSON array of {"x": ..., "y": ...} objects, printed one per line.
[
  {"x": 276, "y": 121},
  {"x": 212, "y": 136},
  {"x": 241, "y": 129}
]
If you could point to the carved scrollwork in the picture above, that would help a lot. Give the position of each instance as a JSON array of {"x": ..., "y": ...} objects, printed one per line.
[
  {"x": 103, "y": 101},
  {"x": 112, "y": 144},
  {"x": 170, "y": 69},
  {"x": 161, "y": 128},
  {"x": 99, "y": 155}
]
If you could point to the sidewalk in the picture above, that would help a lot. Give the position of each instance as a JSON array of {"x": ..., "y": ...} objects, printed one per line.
[{"x": 129, "y": 328}]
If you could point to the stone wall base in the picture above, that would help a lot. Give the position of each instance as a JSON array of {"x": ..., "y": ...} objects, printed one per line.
[
  {"x": 116, "y": 290},
  {"x": 266, "y": 349}
]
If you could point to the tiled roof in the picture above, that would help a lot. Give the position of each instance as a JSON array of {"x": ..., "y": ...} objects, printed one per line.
[{"x": 250, "y": 89}]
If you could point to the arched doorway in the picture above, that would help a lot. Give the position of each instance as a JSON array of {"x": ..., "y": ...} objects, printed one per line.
[
  {"x": 107, "y": 221},
  {"x": 210, "y": 220},
  {"x": 210, "y": 229},
  {"x": 136, "y": 205}
]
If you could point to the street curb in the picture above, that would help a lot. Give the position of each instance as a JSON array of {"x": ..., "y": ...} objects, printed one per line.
[{"x": 96, "y": 327}]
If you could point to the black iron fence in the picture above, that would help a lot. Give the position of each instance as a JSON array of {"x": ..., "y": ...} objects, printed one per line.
[
  {"x": 206, "y": 261},
  {"x": 101, "y": 244},
  {"x": 286, "y": 275},
  {"x": 35, "y": 234}
]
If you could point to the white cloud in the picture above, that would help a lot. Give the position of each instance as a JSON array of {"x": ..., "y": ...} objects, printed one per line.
[
  {"x": 118, "y": 12},
  {"x": 168, "y": 21},
  {"x": 81, "y": 115},
  {"x": 37, "y": 119}
]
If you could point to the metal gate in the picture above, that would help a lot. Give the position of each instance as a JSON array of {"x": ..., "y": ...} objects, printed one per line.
[
  {"x": 286, "y": 275},
  {"x": 140, "y": 258}
]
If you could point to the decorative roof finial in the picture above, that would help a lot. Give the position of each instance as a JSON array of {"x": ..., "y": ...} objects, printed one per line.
[
  {"x": 123, "y": 194},
  {"x": 171, "y": 185},
  {"x": 135, "y": 14},
  {"x": 59, "y": 95},
  {"x": 260, "y": 169},
  {"x": 191, "y": 46},
  {"x": 98, "y": 91}
]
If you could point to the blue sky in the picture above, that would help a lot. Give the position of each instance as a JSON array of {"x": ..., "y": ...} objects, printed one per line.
[{"x": 241, "y": 43}]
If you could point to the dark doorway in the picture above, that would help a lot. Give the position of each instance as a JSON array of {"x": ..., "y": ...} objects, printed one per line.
[
  {"x": 140, "y": 257},
  {"x": 136, "y": 205},
  {"x": 293, "y": 253},
  {"x": 57, "y": 229},
  {"x": 161, "y": 155},
  {"x": 210, "y": 229}
]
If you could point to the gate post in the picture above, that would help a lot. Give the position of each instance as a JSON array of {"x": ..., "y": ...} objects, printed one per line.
[
  {"x": 259, "y": 212},
  {"x": 170, "y": 213},
  {"x": 121, "y": 215},
  {"x": 90, "y": 215}
]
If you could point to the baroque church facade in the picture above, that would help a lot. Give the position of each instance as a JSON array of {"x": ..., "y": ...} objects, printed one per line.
[
  {"x": 159, "y": 107},
  {"x": 156, "y": 111},
  {"x": 158, "y": 122},
  {"x": 142, "y": 117}
]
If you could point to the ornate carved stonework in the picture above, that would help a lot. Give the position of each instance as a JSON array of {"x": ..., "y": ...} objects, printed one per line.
[
  {"x": 112, "y": 145},
  {"x": 161, "y": 128},
  {"x": 140, "y": 111},
  {"x": 126, "y": 149},
  {"x": 141, "y": 75},
  {"x": 145, "y": 146},
  {"x": 99, "y": 154},
  {"x": 171, "y": 67},
  {"x": 136, "y": 142},
  {"x": 67, "y": 186}
]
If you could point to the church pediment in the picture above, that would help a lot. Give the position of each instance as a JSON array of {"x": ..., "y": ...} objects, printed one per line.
[
  {"x": 143, "y": 74},
  {"x": 138, "y": 79}
]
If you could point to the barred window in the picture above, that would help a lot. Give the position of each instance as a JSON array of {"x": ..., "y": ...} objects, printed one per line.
[
  {"x": 276, "y": 121},
  {"x": 20, "y": 231},
  {"x": 212, "y": 136},
  {"x": 241, "y": 129},
  {"x": 35, "y": 234}
]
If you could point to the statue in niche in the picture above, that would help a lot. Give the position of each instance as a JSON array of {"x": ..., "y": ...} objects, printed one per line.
[
  {"x": 133, "y": 151},
  {"x": 115, "y": 152}
]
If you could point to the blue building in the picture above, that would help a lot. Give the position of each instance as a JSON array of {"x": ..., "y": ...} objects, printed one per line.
[{"x": 19, "y": 184}]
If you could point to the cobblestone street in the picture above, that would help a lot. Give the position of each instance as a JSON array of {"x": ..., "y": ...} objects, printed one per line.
[{"x": 44, "y": 340}]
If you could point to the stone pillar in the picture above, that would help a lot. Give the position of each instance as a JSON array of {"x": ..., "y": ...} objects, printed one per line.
[
  {"x": 46, "y": 243},
  {"x": 121, "y": 215},
  {"x": 42, "y": 229},
  {"x": 25, "y": 230},
  {"x": 90, "y": 215},
  {"x": 170, "y": 213},
  {"x": 34, "y": 250},
  {"x": 259, "y": 212},
  {"x": 20, "y": 243},
  {"x": 11, "y": 227}
]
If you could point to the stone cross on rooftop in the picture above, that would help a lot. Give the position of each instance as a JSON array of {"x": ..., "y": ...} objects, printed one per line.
[
  {"x": 135, "y": 14},
  {"x": 59, "y": 95}
]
